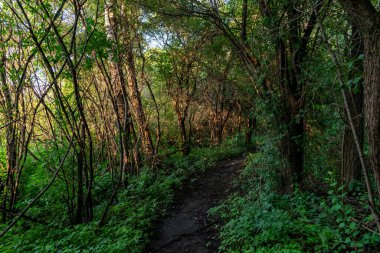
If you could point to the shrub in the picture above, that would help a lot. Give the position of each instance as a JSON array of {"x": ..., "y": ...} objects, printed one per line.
[
  {"x": 257, "y": 219},
  {"x": 129, "y": 221}
]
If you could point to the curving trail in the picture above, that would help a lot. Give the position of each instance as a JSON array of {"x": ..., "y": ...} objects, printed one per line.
[{"x": 187, "y": 228}]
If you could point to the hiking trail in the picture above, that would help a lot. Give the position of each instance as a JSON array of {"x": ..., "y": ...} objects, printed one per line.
[{"x": 187, "y": 226}]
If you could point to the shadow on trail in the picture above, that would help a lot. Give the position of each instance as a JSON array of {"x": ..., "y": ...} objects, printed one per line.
[{"x": 187, "y": 228}]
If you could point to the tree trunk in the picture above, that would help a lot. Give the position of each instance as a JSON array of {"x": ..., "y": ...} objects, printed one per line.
[
  {"x": 137, "y": 108},
  {"x": 296, "y": 145},
  {"x": 184, "y": 145},
  {"x": 216, "y": 134},
  {"x": 350, "y": 166},
  {"x": 367, "y": 19},
  {"x": 135, "y": 97},
  {"x": 251, "y": 122},
  {"x": 251, "y": 125},
  {"x": 292, "y": 144},
  {"x": 113, "y": 27},
  {"x": 80, "y": 197},
  {"x": 372, "y": 98},
  {"x": 292, "y": 49},
  {"x": 244, "y": 16},
  {"x": 9, "y": 192},
  {"x": 292, "y": 148}
]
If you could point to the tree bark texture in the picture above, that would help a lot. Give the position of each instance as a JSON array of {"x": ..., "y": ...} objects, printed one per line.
[
  {"x": 367, "y": 19},
  {"x": 350, "y": 166},
  {"x": 137, "y": 107}
]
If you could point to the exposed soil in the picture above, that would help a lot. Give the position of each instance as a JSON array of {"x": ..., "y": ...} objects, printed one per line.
[{"x": 187, "y": 227}]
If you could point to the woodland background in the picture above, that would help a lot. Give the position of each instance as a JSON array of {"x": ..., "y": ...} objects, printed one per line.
[{"x": 108, "y": 106}]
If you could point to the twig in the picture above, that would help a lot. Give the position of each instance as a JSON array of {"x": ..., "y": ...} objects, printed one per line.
[
  {"x": 23, "y": 216},
  {"x": 365, "y": 226}
]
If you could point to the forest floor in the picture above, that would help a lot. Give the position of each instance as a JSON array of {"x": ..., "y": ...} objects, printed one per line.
[{"x": 187, "y": 226}]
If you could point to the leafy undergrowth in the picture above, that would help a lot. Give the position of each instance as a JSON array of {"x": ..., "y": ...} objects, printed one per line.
[
  {"x": 257, "y": 219},
  {"x": 129, "y": 221}
]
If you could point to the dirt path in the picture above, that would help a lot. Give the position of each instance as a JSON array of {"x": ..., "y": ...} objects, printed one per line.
[{"x": 187, "y": 228}]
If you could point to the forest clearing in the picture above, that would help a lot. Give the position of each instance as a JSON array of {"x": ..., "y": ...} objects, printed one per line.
[{"x": 189, "y": 126}]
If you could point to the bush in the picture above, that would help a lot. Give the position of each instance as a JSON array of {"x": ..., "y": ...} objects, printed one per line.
[
  {"x": 257, "y": 219},
  {"x": 129, "y": 221}
]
